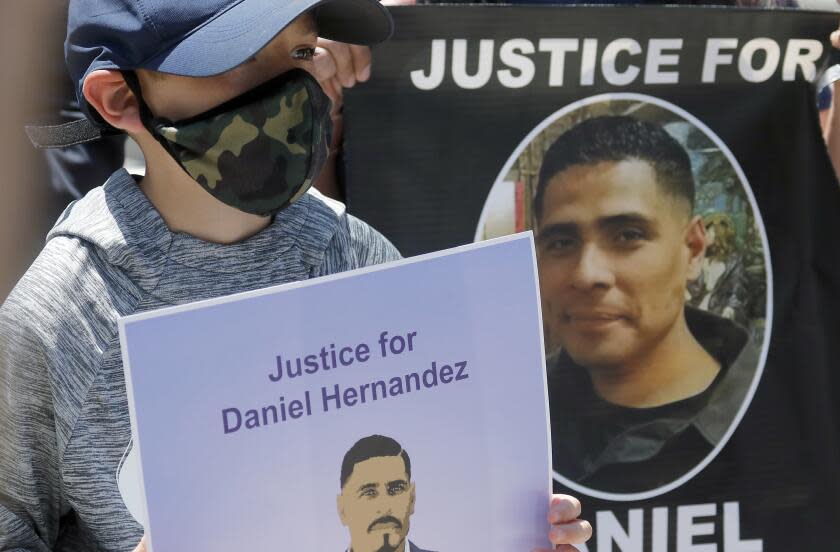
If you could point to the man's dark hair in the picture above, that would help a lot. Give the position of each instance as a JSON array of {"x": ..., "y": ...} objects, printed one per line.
[
  {"x": 616, "y": 138},
  {"x": 372, "y": 446}
]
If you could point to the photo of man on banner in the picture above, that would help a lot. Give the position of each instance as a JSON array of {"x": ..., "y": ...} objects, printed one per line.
[{"x": 653, "y": 301}]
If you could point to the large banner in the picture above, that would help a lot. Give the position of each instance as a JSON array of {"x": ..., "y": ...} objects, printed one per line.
[
  {"x": 671, "y": 164},
  {"x": 399, "y": 407}
]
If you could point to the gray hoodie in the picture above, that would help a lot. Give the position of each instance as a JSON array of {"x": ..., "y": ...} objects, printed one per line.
[{"x": 64, "y": 423}]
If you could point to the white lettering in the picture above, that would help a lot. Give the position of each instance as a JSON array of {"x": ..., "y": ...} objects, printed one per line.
[
  {"x": 558, "y": 48},
  {"x": 588, "y": 59},
  {"x": 713, "y": 56},
  {"x": 660, "y": 530},
  {"x": 771, "y": 60},
  {"x": 719, "y": 531},
  {"x": 437, "y": 68},
  {"x": 511, "y": 54},
  {"x": 687, "y": 529},
  {"x": 802, "y": 53},
  {"x": 609, "y": 530},
  {"x": 623, "y": 61},
  {"x": 656, "y": 58},
  {"x": 459, "y": 64},
  {"x": 732, "y": 531},
  {"x": 608, "y": 60}
]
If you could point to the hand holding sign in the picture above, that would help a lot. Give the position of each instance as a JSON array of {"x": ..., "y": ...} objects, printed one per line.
[{"x": 566, "y": 529}]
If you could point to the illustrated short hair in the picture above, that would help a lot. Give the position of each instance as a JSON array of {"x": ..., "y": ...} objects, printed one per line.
[
  {"x": 617, "y": 138},
  {"x": 372, "y": 446}
]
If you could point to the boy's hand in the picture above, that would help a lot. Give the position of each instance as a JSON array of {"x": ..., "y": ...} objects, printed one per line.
[
  {"x": 566, "y": 529},
  {"x": 142, "y": 546}
]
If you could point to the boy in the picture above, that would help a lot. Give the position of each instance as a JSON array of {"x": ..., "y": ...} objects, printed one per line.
[{"x": 234, "y": 131}]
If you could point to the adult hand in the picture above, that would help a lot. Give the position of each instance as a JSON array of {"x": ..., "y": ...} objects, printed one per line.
[
  {"x": 337, "y": 66},
  {"x": 830, "y": 118},
  {"x": 566, "y": 527},
  {"x": 142, "y": 546}
]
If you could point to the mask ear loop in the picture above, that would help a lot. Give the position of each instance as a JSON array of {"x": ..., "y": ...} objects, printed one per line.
[
  {"x": 146, "y": 116},
  {"x": 133, "y": 83}
]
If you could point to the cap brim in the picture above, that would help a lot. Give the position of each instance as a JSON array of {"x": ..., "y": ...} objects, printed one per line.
[
  {"x": 241, "y": 31},
  {"x": 365, "y": 22}
]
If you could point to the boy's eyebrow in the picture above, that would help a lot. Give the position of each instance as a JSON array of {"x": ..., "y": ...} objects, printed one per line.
[{"x": 310, "y": 27}]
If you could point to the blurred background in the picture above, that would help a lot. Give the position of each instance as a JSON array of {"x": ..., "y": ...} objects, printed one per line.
[
  {"x": 31, "y": 36},
  {"x": 36, "y": 184}
]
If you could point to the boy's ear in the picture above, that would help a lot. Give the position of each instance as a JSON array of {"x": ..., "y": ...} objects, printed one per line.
[{"x": 106, "y": 91}]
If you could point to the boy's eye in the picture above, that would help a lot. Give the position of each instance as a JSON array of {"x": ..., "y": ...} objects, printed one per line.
[{"x": 304, "y": 54}]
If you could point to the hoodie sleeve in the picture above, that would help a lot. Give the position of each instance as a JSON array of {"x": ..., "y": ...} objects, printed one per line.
[
  {"x": 369, "y": 246},
  {"x": 30, "y": 484},
  {"x": 355, "y": 245}
]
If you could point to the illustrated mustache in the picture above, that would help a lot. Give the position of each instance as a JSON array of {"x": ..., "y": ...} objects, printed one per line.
[{"x": 385, "y": 519}]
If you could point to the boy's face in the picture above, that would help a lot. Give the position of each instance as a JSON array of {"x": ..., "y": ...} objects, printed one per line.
[{"x": 177, "y": 97}]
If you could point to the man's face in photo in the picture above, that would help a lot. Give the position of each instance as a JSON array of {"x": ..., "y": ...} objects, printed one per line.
[
  {"x": 376, "y": 503},
  {"x": 615, "y": 252}
]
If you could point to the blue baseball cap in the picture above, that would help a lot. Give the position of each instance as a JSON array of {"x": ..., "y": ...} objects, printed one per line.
[{"x": 201, "y": 38}]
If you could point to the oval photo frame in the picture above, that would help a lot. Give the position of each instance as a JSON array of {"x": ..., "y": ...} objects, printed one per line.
[{"x": 507, "y": 209}]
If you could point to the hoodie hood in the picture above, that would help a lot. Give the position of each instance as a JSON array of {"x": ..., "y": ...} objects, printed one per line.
[{"x": 120, "y": 222}]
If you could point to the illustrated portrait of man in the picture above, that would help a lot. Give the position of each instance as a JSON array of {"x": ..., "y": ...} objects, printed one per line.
[
  {"x": 643, "y": 386},
  {"x": 377, "y": 496}
]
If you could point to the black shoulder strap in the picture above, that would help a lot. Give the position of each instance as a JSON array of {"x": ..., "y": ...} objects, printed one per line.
[
  {"x": 83, "y": 130},
  {"x": 67, "y": 134}
]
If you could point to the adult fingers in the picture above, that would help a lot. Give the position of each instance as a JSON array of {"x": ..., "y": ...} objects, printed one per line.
[
  {"x": 332, "y": 89},
  {"x": 361, "y": 62},
  {"x": 572, "y": 532},
  {"x": 563, "y": 508},
  {"x": 561, "y": 548},
  {"x": 339, "y": 93},
  {"x": 343, "y": 60},
  {"x": 323, "y": 65}
]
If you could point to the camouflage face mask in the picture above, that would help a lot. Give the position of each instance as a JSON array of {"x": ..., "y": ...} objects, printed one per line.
[{"x": 259, "y": 151}]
